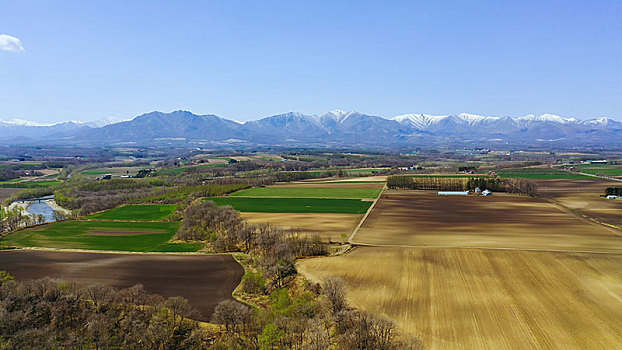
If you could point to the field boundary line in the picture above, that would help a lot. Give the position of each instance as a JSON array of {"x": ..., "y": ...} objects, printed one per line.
[
  {"x": 371, "y": 207},
  {"x": 485, "y": 248},
  {"x": 76, "y": 250}
]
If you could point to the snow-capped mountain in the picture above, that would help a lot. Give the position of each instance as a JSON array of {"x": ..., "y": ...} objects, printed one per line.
[
  {"x": 332, "y": 129},
  {"x": 104, "y": 121}
]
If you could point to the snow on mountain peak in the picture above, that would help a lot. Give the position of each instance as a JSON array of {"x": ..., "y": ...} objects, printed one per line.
[{"x": 22, "y": 122}]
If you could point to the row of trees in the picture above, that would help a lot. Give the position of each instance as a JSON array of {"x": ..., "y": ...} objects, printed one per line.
[
  {"x": 616, "y": 191},
  {"x": 463, "y": 184}
]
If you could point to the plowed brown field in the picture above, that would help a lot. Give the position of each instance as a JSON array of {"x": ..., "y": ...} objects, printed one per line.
[
  {"x": 204, "y": 280},
  {"x": 422, "y": 218},
  {"x": 585, "y": 197}
]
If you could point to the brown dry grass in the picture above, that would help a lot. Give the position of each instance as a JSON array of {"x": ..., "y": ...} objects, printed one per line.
[
  {"x": 422, "y": 218},
  {"x": 487, "y": 299},
  {"x": 328, "y": 226},
  {"x": 585, "y": 196}
]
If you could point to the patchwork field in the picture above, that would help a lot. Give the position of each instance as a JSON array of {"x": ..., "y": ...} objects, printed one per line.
[
  {"x": 308, "y": 192},
  {"x": 584, "y": 196},
  {"x": 540, "y": 173},
  {"x": 422, "y": 218},
  {"x": 136, "y": 212},
  {"x": 205, "y": 280},
  {"x": 486, "y": 299},
  {"x": 117, "y": 171},
  {"x": 102, "y": 235},
  {"x": 294, "y": 205},
  {"x": 600, "y": 169},
  {"x": 328, "y": 226}
]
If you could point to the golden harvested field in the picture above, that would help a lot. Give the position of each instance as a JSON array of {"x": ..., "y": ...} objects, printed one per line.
[
  {"x": 422, "y": 218},
  {"x": 486, "y": 299},
  {"x": 328, "y": 226},
  {"x": 584, "y": 196}
]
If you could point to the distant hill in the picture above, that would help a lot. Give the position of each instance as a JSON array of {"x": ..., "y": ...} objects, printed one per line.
[{"x": 333, "y": 129}]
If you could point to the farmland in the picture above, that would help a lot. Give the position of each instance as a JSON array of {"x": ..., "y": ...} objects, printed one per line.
[
  {"x": 540, "y": 173},
  {"x": 30, "y": 184},
  {"x": 102, "y": 235},
  {"x": 308, "y": 192},
  {"x": 421, "y": 218},
  {"x": 328, "y": 226},
  {"x": 600, "y": 169},
  {"x": 294, "y": 205},
  {"x": 486, "y": 299},
  {"x": 137, "y": 212},
  {"x": 585, "y": 196},
  {"x": 205, "y": 280}
]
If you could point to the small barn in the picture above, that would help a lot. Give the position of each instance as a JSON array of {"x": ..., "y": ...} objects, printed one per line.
[
  {"x": 486, "y": 193},
  {"x": 453, "y": 193},
  {"x": 478, "y": 190}
]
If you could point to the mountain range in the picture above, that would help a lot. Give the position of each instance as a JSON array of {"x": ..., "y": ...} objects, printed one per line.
[{"x": 332, "y": 129}]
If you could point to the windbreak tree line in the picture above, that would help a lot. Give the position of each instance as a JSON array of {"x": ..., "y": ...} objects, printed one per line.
[
  {"x": 462, "y": 184},
  {"x": 616, "y": 191}
]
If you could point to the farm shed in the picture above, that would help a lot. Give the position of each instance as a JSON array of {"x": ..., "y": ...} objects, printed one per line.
[
  {"x": 453, "y": 193},
  {"x": 486, "y": 193}
]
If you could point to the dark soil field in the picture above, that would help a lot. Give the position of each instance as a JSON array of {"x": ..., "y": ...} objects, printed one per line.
[
  {"x": 584, "y": 196},
  {"x": 422, "y": 218},
  {"x": 5, "y": 193},
  {"x": 204, "y": 280}
]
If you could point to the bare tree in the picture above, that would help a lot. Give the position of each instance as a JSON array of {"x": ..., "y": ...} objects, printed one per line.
[
  {"x": 334, "y": 289},
  {"x": 232, "y": 314}
]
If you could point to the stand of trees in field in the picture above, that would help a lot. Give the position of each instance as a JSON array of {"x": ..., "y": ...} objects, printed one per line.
[
  {"x": 52, "y": 314},
  {"x": 307, "y": 317},
  {"x": 462, "y": 184},
  {"x": 616, "y": 191},
  {"x": 272, "y": 249}
]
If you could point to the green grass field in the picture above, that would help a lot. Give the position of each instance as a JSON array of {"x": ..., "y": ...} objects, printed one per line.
[
  {"x": 599, "y": 169},
  {"x": 311, "y": 192},
  {"x": 30, "y": 184},
  {"x": 177, "y": 171},
  {"x": 294, "y": 205},
  {"x": 136, "y": 212},
  {"x": 457, "y": 176},
  {"x": 102, "y": 235},
  {"x": 539, "y": 173}
]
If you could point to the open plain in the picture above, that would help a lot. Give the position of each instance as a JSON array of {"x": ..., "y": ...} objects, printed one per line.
[
  {"x": 422, "y": 218},
  {"x": 486, "y": 299},
  {"x": 205, "y": 280},
  {"x": 585, "y": 196}
]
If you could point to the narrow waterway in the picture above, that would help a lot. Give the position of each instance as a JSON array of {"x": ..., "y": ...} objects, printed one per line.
[{"x": 43, "y": 208}]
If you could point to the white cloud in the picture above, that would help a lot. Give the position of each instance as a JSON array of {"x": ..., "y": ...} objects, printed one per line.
[{"x": 10, "y": 44}]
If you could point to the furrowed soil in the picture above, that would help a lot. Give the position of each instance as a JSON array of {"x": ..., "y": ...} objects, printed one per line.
[
  {"x": 328, "y": 226},
  {"x": 204, "y": 280},
  {"x": 486, "y": 299},
  {"x": 584, "y": 196},
  {"x": 422, "y": 218}
]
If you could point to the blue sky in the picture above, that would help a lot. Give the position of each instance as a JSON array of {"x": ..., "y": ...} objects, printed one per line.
[{"x": 83, "y": 60}]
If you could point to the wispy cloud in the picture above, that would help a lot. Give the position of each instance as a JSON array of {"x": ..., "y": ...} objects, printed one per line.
[{"x": 10, "y": 44}]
